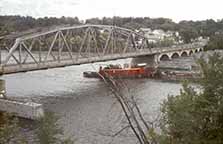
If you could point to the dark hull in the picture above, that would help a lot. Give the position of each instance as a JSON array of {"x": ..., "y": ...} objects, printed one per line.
[
  {"x": 179, "y": 76},
  {"x": 90, "y": 74}
]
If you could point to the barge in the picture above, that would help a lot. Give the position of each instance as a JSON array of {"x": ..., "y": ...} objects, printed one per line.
[
  {"x": 116, "y": 71},
  {"x": 179, "y": 75},
  {"x": 142, "y": 71}
]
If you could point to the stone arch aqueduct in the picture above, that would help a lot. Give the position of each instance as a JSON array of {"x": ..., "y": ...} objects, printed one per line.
[{"x": 177, "y": 54}]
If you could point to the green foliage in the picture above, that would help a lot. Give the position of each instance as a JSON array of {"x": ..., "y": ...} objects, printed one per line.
[
  {"x": 9, "y": 130},
  {"x": 188, "y": 34},
  {"x": 188, "y": 30},
  {"x": 196, "y": 118},
  {"x": 216, "y": 42},
  {"x": 49, "y": 132},
  {"x": 9, "y": 24},
  {"x": 166, "y": 42}
]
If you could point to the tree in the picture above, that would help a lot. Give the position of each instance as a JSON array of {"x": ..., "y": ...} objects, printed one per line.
[
  {"x": 131, "y": 110},
  {"x": 10, "y": 130},
  {"x": 196, "y": 117},
  {"x": 215, "y": 42},
  {"x": 93, "y": 21},
  {"x": 49, "y": 132},
  {"x": 188, "y": 34},
  {"x": 165, "y": 42}
]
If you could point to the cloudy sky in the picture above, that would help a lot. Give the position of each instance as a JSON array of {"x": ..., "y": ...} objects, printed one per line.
[{"x": 174, "y": 9}]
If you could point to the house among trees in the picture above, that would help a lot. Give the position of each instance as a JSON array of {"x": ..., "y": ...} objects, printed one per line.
[{"x": 158, "y": 35}]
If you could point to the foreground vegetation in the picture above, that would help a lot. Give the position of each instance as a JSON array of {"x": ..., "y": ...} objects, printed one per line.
[
  {"x": 47, "y": 131},
  {"x": 196, "y": 117}
]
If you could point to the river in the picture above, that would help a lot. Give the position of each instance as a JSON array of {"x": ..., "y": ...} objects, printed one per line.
[{"x": 88, "y": 111}]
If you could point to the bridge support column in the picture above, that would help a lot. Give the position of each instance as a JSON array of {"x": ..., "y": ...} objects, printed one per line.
[
  {"x": 23, "y": 109},
  {"x": 2, "y": 89},
  {"x": 150, "y": 60}
]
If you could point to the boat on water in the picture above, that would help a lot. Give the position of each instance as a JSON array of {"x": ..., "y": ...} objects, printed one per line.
[
  {"x": 141, "y": 71},
  {"x": 91, "y": 74},
  {"x": 117, "y": 71}
]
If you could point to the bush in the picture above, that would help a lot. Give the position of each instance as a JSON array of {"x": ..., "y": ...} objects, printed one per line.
[
  {"x": 49, "y": 132},
  {"x": 196, "y": 117},
  {"x": 215, "y": 42}
]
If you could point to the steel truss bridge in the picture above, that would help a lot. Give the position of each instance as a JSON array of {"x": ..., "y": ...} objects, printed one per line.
[{"x": 78, "y": 45}]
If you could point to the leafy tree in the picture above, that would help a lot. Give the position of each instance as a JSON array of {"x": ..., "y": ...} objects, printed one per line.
[
  {"x": 196, "y": 117},
  {"x": 215, "y": 42},
  {"x": 166, "y": 42},
  {"x": 49, "y": 132},
  {"x": 188, "y": 34},
  {"x": 93, "y": 21},
  {"x": 9, "y": 130}
]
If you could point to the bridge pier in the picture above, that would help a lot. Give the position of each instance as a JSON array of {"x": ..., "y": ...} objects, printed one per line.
[
  {"x": 29, "y": 110},
  {"x": 2, "y": 89},
  {"x": 150, "y": 60}
]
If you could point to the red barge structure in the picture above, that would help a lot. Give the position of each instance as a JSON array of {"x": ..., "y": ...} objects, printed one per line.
[
  {"x": 142, "y": 71},
  {"x": 116, "y": 71}
]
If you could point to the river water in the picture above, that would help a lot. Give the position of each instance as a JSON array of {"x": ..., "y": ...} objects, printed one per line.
[{"x": 88, "y": 111}]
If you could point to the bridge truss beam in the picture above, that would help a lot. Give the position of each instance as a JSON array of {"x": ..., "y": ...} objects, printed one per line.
[{"x": 72, "y": 45}]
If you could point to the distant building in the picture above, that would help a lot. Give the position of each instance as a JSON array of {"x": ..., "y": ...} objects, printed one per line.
[{"x": 159, "y": 35}]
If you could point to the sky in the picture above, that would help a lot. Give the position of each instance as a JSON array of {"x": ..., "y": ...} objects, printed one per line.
[{"x": 175, "y": 9}]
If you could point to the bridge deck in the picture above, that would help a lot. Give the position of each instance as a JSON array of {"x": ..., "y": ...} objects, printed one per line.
[{"x": 15, "y": 68}]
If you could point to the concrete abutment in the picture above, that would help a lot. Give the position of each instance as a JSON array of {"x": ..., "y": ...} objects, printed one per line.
[{"x": 150, "y": 60}]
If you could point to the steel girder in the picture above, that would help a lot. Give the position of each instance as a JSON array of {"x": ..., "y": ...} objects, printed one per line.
[{"x": 72, "y": 45}]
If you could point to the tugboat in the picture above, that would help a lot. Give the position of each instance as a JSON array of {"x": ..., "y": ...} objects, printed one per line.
[
  {"x": 116, "y": 71},
  {"x": 91, "y": 74}
]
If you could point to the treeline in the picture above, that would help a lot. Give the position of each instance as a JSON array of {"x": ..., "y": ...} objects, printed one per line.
[
  {"x": 9, "y": 24},
  {"x": 188, "y": 30}
]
